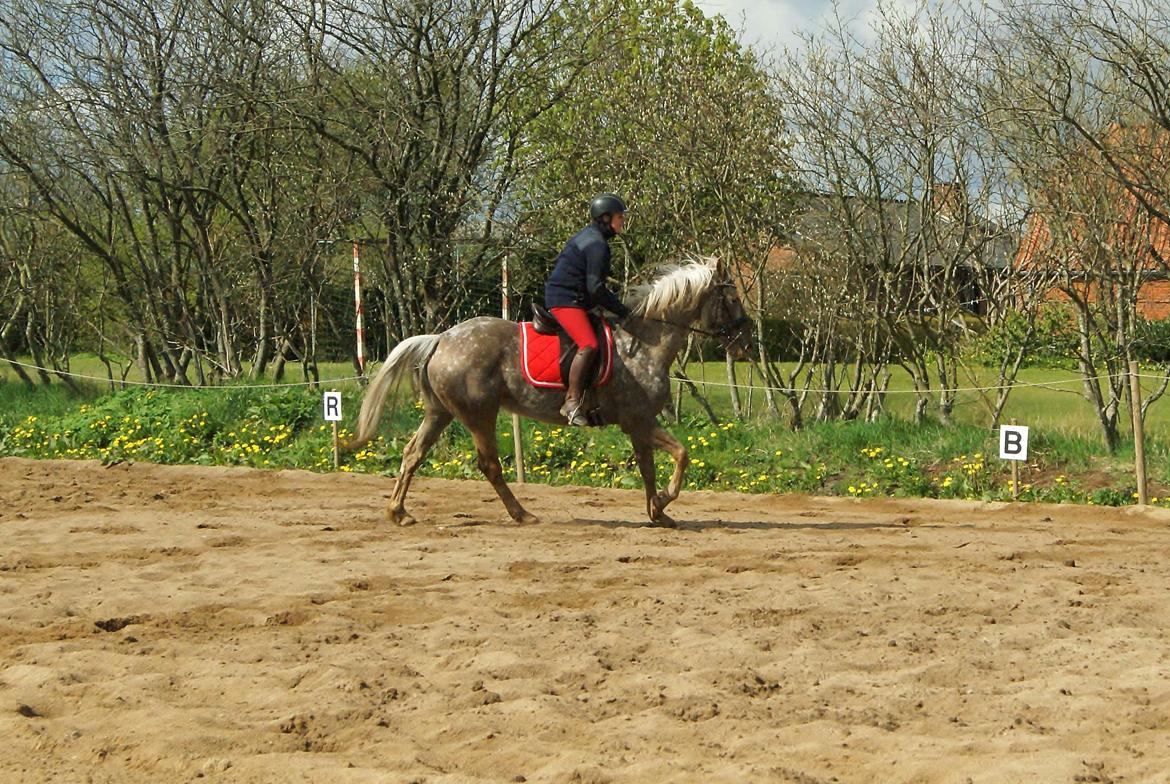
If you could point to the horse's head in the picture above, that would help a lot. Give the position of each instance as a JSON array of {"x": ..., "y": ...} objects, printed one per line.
[
  {"x": 724, "y": 316},
  {"x": 702, "y": 297}
]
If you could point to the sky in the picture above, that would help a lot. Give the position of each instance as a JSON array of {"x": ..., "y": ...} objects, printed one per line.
[{"x": 774, "y": 24}]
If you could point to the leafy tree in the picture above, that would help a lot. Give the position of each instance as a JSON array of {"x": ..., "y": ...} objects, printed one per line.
[{"x": 676, "y": 116}]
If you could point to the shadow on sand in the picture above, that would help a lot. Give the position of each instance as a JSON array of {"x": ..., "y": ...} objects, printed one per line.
[{"x": 748, "y": 525}]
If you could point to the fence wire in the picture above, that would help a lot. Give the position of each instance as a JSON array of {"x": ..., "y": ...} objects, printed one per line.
[
  {"x": 160, "y": 385},
  {"x": 1054, "y": 386}
]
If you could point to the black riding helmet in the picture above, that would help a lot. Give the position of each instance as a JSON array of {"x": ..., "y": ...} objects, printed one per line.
[{"x": 605, "y": 204}]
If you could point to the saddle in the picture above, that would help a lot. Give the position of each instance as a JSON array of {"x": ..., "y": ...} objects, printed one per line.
[{"x": 546, "y": 351}]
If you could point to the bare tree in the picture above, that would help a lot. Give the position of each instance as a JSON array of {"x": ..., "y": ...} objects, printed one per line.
[
  {"x": 162, "y": 137},
  {"x": 1080, "y": 97},
  {"x": 41, "y": 282},
  {"x": 16, "y": 239},
  {"x": 905, "y": 180},
  {"x": 427, "y": 99}
]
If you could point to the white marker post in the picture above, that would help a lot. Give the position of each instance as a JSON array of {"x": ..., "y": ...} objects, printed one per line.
[
  {"x": 331, "y": 407},
  {"x": 1013, "y": 445}
]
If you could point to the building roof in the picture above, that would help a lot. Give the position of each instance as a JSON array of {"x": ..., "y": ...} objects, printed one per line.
[{"x": 866, "y": 226}]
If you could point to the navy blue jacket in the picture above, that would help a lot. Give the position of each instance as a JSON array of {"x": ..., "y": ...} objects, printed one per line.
[{"x": 578, "y": 279}]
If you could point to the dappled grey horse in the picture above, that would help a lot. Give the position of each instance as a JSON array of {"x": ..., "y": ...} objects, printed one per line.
[{"x": 472, "y": 370}]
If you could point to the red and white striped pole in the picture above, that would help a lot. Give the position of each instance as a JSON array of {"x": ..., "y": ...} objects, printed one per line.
[
  {"x": 357, "y": 309},
  {"x": 504, "y": 287}
]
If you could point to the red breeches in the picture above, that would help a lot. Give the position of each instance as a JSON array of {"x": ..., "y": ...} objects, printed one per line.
[{"x": 575, "y": 321}]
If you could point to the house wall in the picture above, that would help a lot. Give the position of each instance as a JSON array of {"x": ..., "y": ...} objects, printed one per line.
[
  {"x": 1153, "y": 299},
  {"x": 1142, "y": 239}
]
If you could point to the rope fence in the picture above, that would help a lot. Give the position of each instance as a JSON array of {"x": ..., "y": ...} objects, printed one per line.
[
  {"x": 1055, "y": 386},
  {"x": 159, "y": 385},
  {"x": 1133, "y": 376}
]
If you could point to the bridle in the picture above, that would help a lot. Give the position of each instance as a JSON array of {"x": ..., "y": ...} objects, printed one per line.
[{"x": 733, "y": 326}]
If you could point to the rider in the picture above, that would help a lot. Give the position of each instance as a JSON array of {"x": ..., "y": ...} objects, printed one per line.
[{"x": 577, "y": 284}]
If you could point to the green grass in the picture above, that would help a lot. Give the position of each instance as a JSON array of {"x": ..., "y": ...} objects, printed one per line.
[
  {"x": 281, "y": 428},
  {"x": 1045, "y": 399}
]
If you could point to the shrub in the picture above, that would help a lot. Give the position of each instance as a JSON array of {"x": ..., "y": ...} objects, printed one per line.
[
  {"x": 1153, "y": 340},
  {"x": 1053, "y": 342},
  {"x": 282, "y": 428}
]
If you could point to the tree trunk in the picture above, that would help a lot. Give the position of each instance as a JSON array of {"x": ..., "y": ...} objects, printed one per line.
[
  {"x": 733, "y": 387},
  {"x": 17, "y": 369},
  {"x": 697, "y": 395}
]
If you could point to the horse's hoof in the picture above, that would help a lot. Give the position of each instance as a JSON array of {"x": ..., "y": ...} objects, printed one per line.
[
  {"x": 656, "y": 510},
  {"x": 663, "y": 520},
  {"x": 400, "y": 517},
  {"x": 527, "y": 518}
]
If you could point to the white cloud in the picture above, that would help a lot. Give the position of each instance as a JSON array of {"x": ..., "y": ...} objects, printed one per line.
[
  {"x": 775, "y": 24},
  {"x": 769, "y": 24}
]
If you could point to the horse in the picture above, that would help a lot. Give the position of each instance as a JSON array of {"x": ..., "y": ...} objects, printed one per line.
[{"x": 472, "y": 370}]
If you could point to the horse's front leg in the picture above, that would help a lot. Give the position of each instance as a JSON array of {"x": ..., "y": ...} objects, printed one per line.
[
  {"x": 644, "y": 454},
  {"x": 656, "y": 502},
  {"x": 662, "y": 439}
]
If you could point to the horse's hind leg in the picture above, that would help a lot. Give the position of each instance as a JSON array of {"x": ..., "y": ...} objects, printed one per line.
[
  {"x": 433, "y": 424},
  {"x": 484, "y": 433}
]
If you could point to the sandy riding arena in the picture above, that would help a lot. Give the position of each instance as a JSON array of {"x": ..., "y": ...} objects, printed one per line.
[{"x": 180, "y": 624}]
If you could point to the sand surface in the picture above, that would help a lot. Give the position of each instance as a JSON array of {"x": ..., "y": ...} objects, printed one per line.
[{"x": 180, "y": 624}]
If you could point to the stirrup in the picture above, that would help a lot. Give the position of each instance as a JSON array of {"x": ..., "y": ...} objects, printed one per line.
[{"x": 574, "y": 413}]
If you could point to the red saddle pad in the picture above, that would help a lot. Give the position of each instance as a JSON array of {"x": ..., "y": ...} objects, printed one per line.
[{"x": 540, "y": 358}]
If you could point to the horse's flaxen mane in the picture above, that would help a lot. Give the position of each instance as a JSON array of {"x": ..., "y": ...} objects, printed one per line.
[{"x": 678, "y": 287}]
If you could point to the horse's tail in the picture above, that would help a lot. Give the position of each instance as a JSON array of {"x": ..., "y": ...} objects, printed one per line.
[{"x": 411, "y": 354}]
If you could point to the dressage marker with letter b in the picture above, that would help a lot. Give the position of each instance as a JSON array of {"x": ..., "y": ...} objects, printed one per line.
[
  {"x": 1013, "y": 445},
  {"x": 1013, "y": 442}
]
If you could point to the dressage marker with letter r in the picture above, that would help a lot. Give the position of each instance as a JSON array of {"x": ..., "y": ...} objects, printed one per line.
[{"x": 331, "y": 408}]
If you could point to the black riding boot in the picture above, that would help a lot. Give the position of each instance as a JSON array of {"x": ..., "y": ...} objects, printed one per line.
[{"x": 579, "y": 372}]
